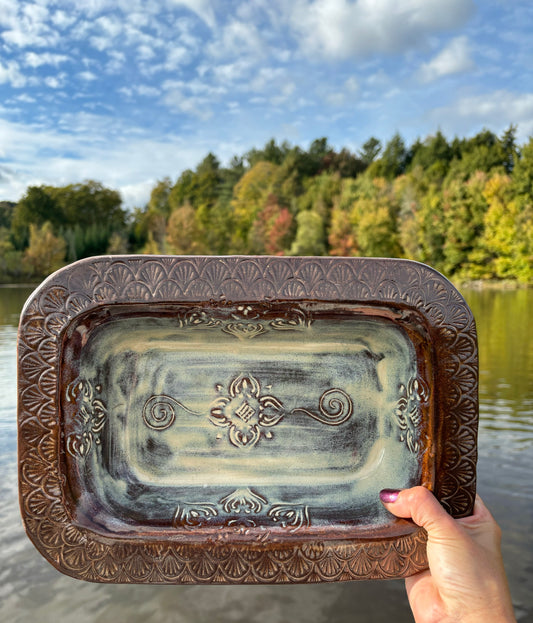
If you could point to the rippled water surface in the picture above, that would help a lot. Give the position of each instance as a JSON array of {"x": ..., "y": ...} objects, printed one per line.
[{"x": 31, "y": 590}]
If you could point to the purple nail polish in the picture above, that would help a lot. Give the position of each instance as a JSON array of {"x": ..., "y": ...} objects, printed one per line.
[{"x": 389, "y": 495}]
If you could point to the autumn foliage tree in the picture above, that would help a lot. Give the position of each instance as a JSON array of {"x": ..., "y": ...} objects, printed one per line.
[
  {"x": 272, "y": 230},
  {"x": 184, "y": 232},
  {"x": 45, "y": 252},
  {"x": 464, "y": 206},
  {"x": 249, "y": 197}
]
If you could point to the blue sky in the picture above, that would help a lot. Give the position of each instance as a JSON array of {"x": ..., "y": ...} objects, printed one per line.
[{"x": 130, "y": 91}]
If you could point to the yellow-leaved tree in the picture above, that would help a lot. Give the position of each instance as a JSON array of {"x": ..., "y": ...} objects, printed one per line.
[
  {"x": 249, "y": 197},
  {"x": 45, "y": 252},
  {"x": 184, "y": 233},
  {"x": 508, "y": 231}
]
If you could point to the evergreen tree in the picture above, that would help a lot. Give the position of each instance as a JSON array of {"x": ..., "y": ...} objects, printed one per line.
[
  {"x": 393, "y": 161},
  {"x": 370, "y": 150}
]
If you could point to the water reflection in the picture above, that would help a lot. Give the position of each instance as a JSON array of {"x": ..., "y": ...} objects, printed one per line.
[
  {"x": 12, "y": 298},
  {"x": 505, "y": 334},
  {"x": 505, "y": 465},
  {"x": 30, "y": 589}
]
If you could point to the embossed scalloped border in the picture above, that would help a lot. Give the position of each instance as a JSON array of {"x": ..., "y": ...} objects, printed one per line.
[{"x": 91, "y": 283}]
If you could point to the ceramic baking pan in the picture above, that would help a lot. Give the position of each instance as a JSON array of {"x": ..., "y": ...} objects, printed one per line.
[{"x": 233, "y": 419}]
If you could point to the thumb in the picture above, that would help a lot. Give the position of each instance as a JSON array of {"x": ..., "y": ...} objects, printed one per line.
[{"x": 420, "y": 505}]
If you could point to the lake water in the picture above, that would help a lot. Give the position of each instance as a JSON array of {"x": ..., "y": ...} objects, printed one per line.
[{"x": 31, "y": 590}]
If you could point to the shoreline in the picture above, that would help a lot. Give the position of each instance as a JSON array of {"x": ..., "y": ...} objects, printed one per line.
[{"x": 491, "y": 284}]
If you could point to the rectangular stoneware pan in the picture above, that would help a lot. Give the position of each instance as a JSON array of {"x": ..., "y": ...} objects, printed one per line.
[{"x": 233, "y": 419}]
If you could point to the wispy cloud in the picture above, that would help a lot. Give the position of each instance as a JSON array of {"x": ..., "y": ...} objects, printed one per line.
[
  {"x": 497, "y": 109},
  {"x": 203, "y": 9},
  {"x": 87, "y": 76},
  {"x": 126, "y": 160},
  {"x": 27, "y": 25},
  {"x": 55, "y": 82},
  {"x": 34, "y": 59},
  {"x": 453, "y": 59},
  {"x": 62, "y": 19},
  {"x": 339, "y": 29},
  {"x": 237, "y": 38},
  {"x": 164, "y": 81},
  {"x": 10, "y": 73}
]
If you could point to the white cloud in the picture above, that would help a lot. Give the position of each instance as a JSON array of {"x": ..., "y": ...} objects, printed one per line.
[
  {"x": 101, "y": 43},
  {"x": 27, "y": 27},
  {"x": 55, "y": 82},
  {"x": 352, "y": 85},
  {"x": 236, "y": 39},
  {"x": 258, "y": 100},
  {"x": 196, "y": 87},
  {"x": 394, "y": 92},
  {"x": 88, "y": 76},
  {"x": 32, "y": 59},
  {"x": 268, "y": 78},
  {"x": 61, "y": 19},
  {"x": 335, "y": 98},
  {"x": 111, "y": 26},
  {"x": 379, "y": 79},
  {"x": 346, "y": 93},
  {"x": 496, "y": 110},
  {"x": 184, "y": 29},
  {"x": 195, "y": 106},
  {"x": 10, "y": 73},
  {"x": 203, "y": 9},
  {"x": 284, "y": 95},
  {"x": 137, "y": 37},
  {"x": 140, "y": 89},
  {"x": 283, "y": 56},
  {"x": 137, "y": 194},
  {"x": 148, "y": 91},
  {"x": 192, "y": 97},
  {"x": 339, "y": 29},
  {"x": 35, "y": 13},
  {"x": 453, "y": 59},
  {"x": 93, "y": 7},
  {"x": 8, "y": 12},
  {"x": 145, "y": 53},
  {"x": 288, "y": 89},
  {"x": 116, "y": 61},
  {"x": 177, "y": 56},
  {"x": 211, "y": 58},
  {"x": 229, "y": 73},
  {"x": 138, "y": 19},
  {"x": 7, "y": 177},
  {"x": 104, "y": 31},
  {"x": 81, "y": 29},
  {"x": 234, "y": 108},
  {"x": 25, "y": 98},
  {"x": 131, "y": 162}
]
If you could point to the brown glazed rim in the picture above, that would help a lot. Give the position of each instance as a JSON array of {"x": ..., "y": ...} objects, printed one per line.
[{"x": 93, "y": 283}]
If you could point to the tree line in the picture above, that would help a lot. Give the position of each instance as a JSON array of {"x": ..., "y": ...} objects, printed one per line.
[{"x": 463, "y": 206}]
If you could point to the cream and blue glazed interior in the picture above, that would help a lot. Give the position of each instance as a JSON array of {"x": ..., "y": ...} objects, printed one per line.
[{"x": 269, "y": 422}]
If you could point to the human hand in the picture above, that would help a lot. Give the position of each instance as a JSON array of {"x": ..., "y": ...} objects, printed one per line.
[{"x": 466, "y": 581}]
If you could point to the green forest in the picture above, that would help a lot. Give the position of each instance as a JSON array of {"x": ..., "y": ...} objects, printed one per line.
[{"x": 463, "y": 206}]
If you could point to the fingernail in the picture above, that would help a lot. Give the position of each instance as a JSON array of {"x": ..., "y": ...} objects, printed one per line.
[{"x": 389, "y": 495}]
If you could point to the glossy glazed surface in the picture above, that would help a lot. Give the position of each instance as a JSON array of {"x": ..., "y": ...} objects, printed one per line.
[
  {"x": 89, "y": 489},
  {"x": 278, "y": 422}
]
